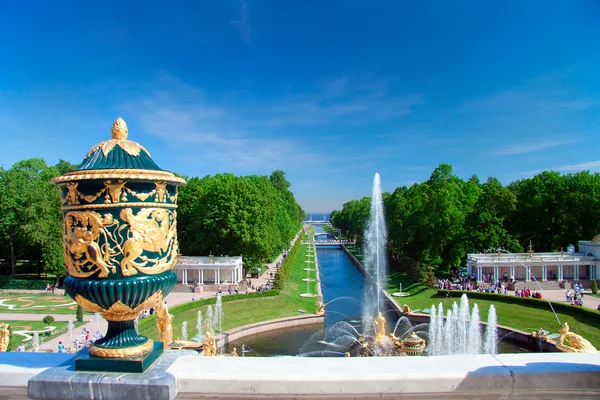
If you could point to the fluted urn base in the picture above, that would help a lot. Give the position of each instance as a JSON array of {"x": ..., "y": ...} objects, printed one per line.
[
  {"x": 120, "y": 302},
  {"x": 121, "y": 340}
]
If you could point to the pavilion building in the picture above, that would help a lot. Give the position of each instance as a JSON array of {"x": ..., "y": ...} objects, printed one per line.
[
  {"x": 209, "y": 269},
  {"x": 572, "y": 266}
]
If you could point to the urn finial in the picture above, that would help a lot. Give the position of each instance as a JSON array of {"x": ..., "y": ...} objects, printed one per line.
[{"x": 119, "y": 129}]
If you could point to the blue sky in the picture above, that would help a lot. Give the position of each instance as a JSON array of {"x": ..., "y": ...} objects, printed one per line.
[{"x": 330, "y": 92}]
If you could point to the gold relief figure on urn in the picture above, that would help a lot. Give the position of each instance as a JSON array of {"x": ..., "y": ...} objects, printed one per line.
[{"x": 120, "y": 238}]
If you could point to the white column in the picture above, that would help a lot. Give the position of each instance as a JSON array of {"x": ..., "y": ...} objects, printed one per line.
[
  {"x": 479, "y": 277},
  {"x": 232, "y": 277},
  {"x": 560, "y": 273},
  {"x": 528, "y": 273},
  {"x": 512, "y": 271},
  {"x": 576, "y": 272},
  {"x": 202, "y": 276},
  {"x": 544, "y": 273},
  {"x": 218, "y": 276},
  {"x": 495, "y": 273},
  {"x": 185, "y": 277}
]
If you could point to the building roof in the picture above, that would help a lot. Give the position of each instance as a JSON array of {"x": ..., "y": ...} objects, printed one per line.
[{"x": 208, "y": 262}]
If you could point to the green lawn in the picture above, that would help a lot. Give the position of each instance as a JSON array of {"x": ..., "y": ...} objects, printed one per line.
[
  {"x": 23, "y": 303},
  {"x": 16, "y": 325},
  {"x": 516, "y": 316},
  {"x": 249, "y": 311}
]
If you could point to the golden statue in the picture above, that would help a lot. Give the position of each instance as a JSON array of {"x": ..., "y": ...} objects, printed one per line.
[
  {"x": 321, "y": 310},
  {"x": 209, "y": 343},
  {"x": 406, "y": 310},
  {"x": 234, "y": 352},
  {"x": 379, "y": 322},
  {"x": 163, "y": 324},
  {"x": 575, "y": 343},
  {"x": 4, "y": 337}
]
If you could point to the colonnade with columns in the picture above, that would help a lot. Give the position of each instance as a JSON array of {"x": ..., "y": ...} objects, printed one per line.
[{"x": 209, "y": 270}]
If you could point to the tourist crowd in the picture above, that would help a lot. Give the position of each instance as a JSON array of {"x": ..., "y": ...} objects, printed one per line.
[{"x": 575, "y": 297}]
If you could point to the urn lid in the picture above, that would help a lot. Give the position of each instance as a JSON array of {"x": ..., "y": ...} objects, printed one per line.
[{"x": 117, "y": 158}]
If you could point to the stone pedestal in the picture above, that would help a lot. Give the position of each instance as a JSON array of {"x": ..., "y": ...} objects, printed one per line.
[{"x": 63, "y": 382}]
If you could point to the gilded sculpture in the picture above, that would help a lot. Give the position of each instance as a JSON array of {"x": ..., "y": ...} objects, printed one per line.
[
  {"x": 119, "y": 311},
  {"x": 209, "y": 343},
  {"x": 379, "y": 322},
  {"x": 151, "y": 229},
  {"x": 574, "y": 342},
  {"x": 321, "y": 310},
  {"x": 83, "y": 255},
  {"x": 4, "y": 337},
  {"x": 164, "y": 324}
]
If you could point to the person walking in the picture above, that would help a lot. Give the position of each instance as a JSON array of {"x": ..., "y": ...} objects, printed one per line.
[{"x": 61, "y": 347}]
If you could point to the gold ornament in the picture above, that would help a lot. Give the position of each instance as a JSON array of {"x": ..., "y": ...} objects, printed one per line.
[
  {"x": 4, "y": 337},
  {"x": 321, "y": 310},
  {"x": 379, "y": 322},
  {"x": 575, "y": 342},
  {"x": 119, "y": 311},
  {"x": 209, "y": 343},
  {"x": 104, "y": 206},
  {"x": 164, "y": 324},
  {"x": 138, "y": 174},
  {"x": 119, "y": 129},
  {"x": 151, "y": 229},
  {"x": 122, "y": 352}
]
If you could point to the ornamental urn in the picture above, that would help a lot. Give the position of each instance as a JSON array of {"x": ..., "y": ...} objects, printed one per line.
[{"x": 120, "y": 238}]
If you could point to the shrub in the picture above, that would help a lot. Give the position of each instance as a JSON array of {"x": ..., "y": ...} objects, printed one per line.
[
  {"x": 48, "y": 319},
  {"x": 79, "y": 313},
  {"x": 25, "y": 284},
  {"x": 284, "y": 269},
  {"x": 594, "y": 287}
]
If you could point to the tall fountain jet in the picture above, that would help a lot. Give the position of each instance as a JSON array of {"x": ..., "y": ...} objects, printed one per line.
[{"x": 375, "y": 254}]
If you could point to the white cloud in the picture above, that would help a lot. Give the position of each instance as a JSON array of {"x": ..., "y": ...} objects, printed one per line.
[
  {"x": 592, "y": 166},
  {"x": 250, "y": 133},
  {"x": 530, "y": 147}
]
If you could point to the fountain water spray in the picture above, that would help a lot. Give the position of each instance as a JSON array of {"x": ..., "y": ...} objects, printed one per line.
[
  {"x": 36, "y": 341},
  {"x": 199, "y": 327},
  {"x": 491, "y": 340},
  {"x": 184, "y": 333},
  {"x": 460, "y": 332},
  {"x": 209, "y": 317},
  {"x": 375, "y": 257},
  {"x": 70, "y": 327}
]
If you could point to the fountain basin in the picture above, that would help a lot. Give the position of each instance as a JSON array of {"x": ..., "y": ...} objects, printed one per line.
[
  {"x": 308, "y": 295},
  {"x": 400, "y": 294},
  {"x": 308, "y": 280}
]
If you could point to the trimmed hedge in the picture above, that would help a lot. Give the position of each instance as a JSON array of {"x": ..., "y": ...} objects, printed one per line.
[
  {"x": 524, "y": 301},
  {"x": 25, "y": 284},
  {"x": 284, "y": 269},
  {"x": 143, "y": 324}
]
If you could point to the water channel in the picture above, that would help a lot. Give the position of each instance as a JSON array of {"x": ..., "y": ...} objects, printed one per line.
[{"x": 343, "y": 287}]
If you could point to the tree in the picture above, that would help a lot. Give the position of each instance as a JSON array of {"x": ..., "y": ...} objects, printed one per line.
[
  {"x": 255, "y": 216},
  {"x": 30, "y": 216},
  {"x": 79, "y": 313}
]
